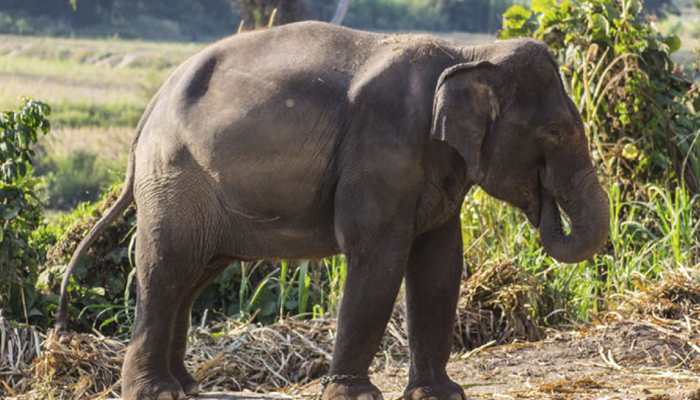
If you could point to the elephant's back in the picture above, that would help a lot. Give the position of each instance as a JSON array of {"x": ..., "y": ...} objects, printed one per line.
[
  {"x": 246, "y": 64},
  {"x": 242, "y": 76}
]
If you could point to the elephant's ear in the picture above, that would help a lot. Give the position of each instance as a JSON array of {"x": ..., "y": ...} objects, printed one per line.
[{"x": 464, "y": 108}]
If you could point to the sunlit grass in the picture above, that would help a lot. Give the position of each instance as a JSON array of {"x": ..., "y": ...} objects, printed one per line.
[
  {"x": 157, "y": 55},
  {"x": 102, "y": 83},
  {"x": 656, "y": 231},
  {"x": 105, "y": 72}
]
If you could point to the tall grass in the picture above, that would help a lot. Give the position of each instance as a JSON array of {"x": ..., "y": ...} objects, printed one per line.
[{"x": 654, "y": 231}]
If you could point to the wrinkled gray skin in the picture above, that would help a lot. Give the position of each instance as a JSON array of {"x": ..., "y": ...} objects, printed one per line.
[{"x": 309, "y": 140}]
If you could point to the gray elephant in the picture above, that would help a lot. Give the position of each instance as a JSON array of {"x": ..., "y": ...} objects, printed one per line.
[{"x": 309, "y": 140}]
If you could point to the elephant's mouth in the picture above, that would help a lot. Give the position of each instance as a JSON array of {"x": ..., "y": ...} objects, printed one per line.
[{"x": 534, "y": 211}]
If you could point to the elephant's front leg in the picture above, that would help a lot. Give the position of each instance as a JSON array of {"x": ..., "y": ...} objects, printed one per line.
[
  {"x": 432, "y": 289},
  {"x": 377, "y": 247}
]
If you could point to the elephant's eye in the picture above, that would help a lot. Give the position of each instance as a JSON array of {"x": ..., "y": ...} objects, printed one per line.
[{"x": 551, "y": 134}]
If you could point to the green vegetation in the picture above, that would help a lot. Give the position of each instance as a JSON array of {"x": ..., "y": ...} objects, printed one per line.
[
  {"x": 650, "y": 236},
  {"x": 640, "y": 115},
  {"x": 643, "y": 126},
  {"x": 20, "y": 210}
]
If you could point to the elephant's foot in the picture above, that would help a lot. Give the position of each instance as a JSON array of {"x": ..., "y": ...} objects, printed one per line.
[
  {"x": 442, "y": 391},
  {"x": 189, "y": 385},
  {"x": 152, "y": 388},
  {"x": 349, "y": 389}
]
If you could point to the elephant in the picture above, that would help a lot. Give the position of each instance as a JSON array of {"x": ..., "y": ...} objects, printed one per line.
[{"x": 309, "y": 140}]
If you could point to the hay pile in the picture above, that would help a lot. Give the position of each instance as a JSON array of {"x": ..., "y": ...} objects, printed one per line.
[
  {"x": 675, "y": 297},
  {"x": 498, "y": 304},
  {"x": 233, "y": 356},
  {"x": 77, "y": 366},
  {"x": 668, "y": 309},
  {"x": 19, "y": 345}
]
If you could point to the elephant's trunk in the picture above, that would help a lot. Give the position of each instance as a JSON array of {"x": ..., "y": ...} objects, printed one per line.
[{"x": 588, "y": 211}]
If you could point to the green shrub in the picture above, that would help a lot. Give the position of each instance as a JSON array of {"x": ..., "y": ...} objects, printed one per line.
[{"x": 20, "y": 209}]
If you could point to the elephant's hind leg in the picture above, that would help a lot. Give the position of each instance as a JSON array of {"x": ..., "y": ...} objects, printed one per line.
[
  {"x": 178, "y": 347},
  {"x": 168, "y": 263},
  {"x": 432, "y": 288}
]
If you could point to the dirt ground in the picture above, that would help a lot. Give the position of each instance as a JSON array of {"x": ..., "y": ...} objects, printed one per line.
[
  {"x": 649, "y": 348},
  {"x": 621, "y": 361}
]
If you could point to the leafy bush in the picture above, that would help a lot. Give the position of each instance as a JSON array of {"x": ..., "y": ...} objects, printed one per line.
[
  {"x": 20, "y": 210},
  {"x": 101, "y": 293},
  {"x": 639, "y": 112}
]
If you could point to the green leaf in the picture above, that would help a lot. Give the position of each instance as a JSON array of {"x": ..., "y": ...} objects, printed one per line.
[
  {"x": 10, "y": 213},
  {"x": 542, "y": 6},
  {"x": 517, "y": 12},
  {"x": 97, "y": 291},
  {"x": 673, "y": 42},
  {"x": 633, "y": 7},
  {"x": 598, "y": 24},
  {"x": 630, "y": 151}
]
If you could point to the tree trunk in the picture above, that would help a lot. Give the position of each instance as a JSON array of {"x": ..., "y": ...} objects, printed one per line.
[
  {"x": 340, "y": 12},
  {"x": 257, "y": 14}
]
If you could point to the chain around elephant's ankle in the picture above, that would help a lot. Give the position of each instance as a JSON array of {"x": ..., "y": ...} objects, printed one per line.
[{"x": 343, "y": 380}]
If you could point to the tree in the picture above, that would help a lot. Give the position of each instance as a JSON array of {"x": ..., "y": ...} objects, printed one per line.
[
  {"x": 341, "y": 12},
  {"x": 256, "y": 14}
]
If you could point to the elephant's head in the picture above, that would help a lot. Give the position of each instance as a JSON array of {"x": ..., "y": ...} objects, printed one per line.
[{"x": 523, "y": 142}]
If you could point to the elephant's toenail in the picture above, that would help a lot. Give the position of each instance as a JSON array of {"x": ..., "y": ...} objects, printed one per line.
[{"x": 165, "y": 396}]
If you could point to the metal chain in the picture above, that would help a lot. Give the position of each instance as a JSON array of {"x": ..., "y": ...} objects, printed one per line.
[{"x": 343, "y": 379}]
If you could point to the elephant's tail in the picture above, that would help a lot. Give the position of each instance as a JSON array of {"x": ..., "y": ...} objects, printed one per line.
[{"x": 123, "y": 201}]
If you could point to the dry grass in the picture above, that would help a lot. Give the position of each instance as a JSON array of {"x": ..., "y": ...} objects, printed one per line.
[
  {"x": 651, "y": 340},
  {"x": 499, "y": 303},
  {"x": 112, "y": 144},
  {"x": 80, "y": 77},
  {"x": 13, "y": 88},
  {"x": 138, "y": 54},
  {"x": 19, "y": 345},
  {"x": 235, "y": 356}
]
